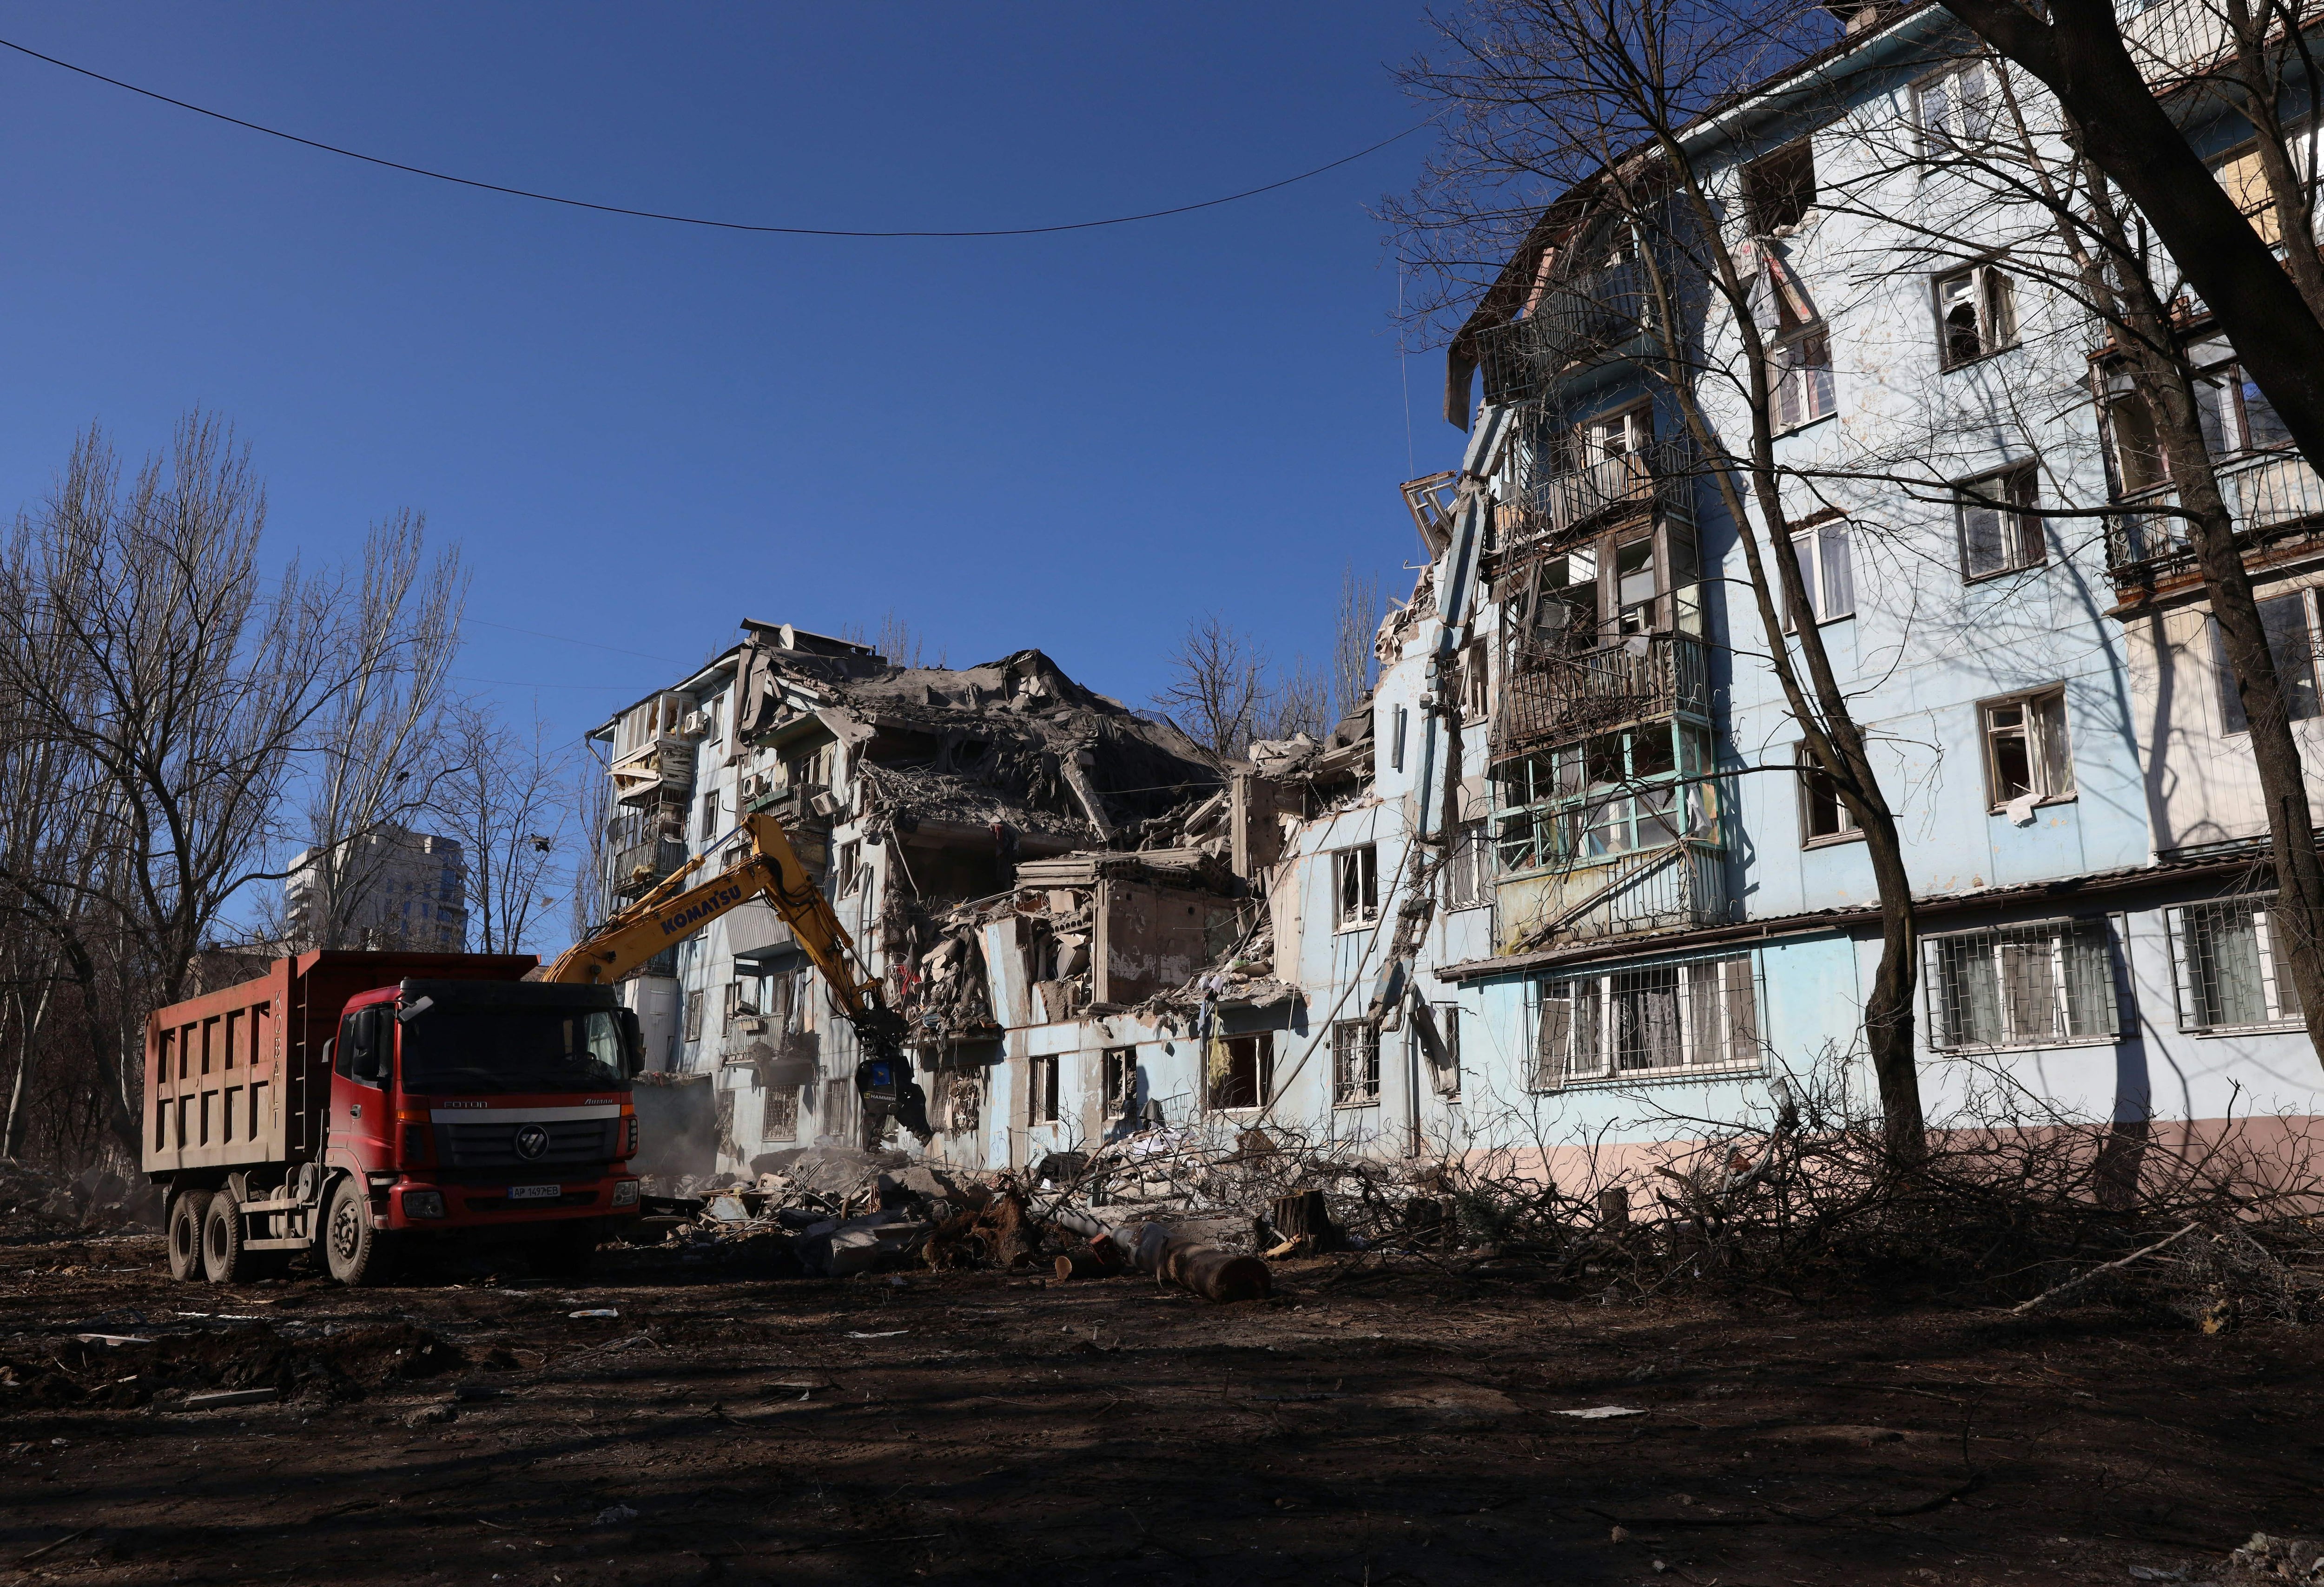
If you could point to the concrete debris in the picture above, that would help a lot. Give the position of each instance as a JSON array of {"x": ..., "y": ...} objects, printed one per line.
[
  {"x": 34, "y": 1200},
  {"x": 2267, "y": 1558}
]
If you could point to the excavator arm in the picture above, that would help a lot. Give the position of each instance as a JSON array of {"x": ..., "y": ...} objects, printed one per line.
[{"x": 674, "y": 911}]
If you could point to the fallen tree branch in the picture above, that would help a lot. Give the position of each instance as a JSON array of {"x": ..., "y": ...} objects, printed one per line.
[{"x": 2080, "y": 1279}]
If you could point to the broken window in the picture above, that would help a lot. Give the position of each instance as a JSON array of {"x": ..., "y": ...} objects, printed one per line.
[
  {"x": 846, "y": 870},
  {"x": 710, "y": 813},
  {"x": 1041, "y": 1091},
  {"x": 1998, "y": 532},
  {"x": 2018, "y": 986},
  {"x": 2291, "y": 644},
  {"x": 692, "y": 1016},
  {"x": 2228, "y": 974},
  {"x": 1694, "y": 1016},
  {"x": 1403, "y": 723},
  {"x": 1823, "y": 818},
  {"x": 1355, "y": 1063},
  {"x": 1120, "y": 1078},
  {"x": 1957, "y": 107},
  {"x": 1469, "y": 867},
  {"x": 1475, "y": 683},
  {"x": 2027, "y": 756},
  {"x": 1356, "y": 871},
  {"x": 1779, "y": 189},
  {"x": 1241, "y": 1070},
  {"x": 778, "y": 1124},
  {"x": 809, "y": 770},
  {"x": 1977, "y": 314},
  {"x": 1827, "y": 571}
]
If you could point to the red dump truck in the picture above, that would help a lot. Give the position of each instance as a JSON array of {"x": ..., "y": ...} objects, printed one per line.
[{"x": 371, "y": 1103}]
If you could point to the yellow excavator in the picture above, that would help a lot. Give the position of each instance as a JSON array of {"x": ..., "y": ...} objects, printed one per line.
[{"x": 673, "y": 911}]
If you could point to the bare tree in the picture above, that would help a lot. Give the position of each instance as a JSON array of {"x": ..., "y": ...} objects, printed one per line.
[
  {"x": 591, "y": 803},
  {"x": 1299, "y": 700},
  {"x": 381, "y": 743},
  {"x": 1569, "y": 178},
  {"x": 1218, "y": 684},
  {"x": 505, "y": 800},
  {"x": 1354, "y": 663},
  {"x": 2253, "y": 55},
  {"x": 135, "y": 636}
]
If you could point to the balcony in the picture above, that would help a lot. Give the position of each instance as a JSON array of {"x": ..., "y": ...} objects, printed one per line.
[
  {"x": 1680, "y": 885},
  {"x": 1575, "y": 320},
  {"x": 660, "y": 767},
  {"x": 2272, "y": 497},
  {"x": 1554, "y": 506},
  {"x": 2175, "y": 39},
  {"x": 1552, "y": 697},
  {"x": 635, "y": 868}
]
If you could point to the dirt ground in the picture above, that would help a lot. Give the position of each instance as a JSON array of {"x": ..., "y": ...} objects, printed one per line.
[{"x": 1372, "y": 1429}]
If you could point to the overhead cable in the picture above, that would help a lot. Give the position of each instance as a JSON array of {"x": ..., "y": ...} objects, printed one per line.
[{"x": 731, "y": 225}]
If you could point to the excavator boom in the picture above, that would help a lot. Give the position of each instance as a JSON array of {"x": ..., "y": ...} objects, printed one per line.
[{"x": 672, "y": 911}]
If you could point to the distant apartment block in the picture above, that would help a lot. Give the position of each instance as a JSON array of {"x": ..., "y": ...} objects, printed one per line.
[{"x": 402, "y": 890}]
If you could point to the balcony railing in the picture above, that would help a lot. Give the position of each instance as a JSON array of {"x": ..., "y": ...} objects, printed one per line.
[
  {"x": 636, "y": 867},
  {"x": 1576, "y": 318},
  {"x": 1555, "y": 504},
  {"x": 2269, "y": 497},
  {"x": 1680, "y": 885},
  {"x": 1552, "y": 698},
  {"x": 2172, "y": 40}
]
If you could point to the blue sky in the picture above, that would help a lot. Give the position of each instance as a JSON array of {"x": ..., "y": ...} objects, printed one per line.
[{"x": 641, "y": 433}]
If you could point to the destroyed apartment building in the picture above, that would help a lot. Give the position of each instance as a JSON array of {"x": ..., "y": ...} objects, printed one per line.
[{"x": 1027, "y": 866}]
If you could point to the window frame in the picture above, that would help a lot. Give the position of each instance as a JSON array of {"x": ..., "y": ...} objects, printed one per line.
[
  {"x": 1702, "y": 987},
  {"x": 1566, "y": 813},
  {"x": 1847, "y": 831},
  {"x": 1362, "y": 1091},
  {"x": 1811, "y": 538},
  {"x": 1756, "y": 176},
  {"x": 1117, "y": 1068},
  {"x": 1937, "y": 969},
  {"x": 1365, "y": 858},
  {"x": 1783, "y": 373},
  {"x": 1470, "y": 862},
  {"x": 768, "y": 1098},
  {"x": 1262, "y": 1045},
  {"x": 2038, "y": 760},
  {"x": 1042, "y": 1090},
  {"x": 1981, "y": 276},
  {"x": 2019, "y": 523},
  {"x": 2277, "y": 1013},
  {"x": 1937, "y": 146}
]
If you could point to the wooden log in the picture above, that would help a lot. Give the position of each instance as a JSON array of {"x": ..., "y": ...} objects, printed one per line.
[{"x": 1303, "y": 1215}]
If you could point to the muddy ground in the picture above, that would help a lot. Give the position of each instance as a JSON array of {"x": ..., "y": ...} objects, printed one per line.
[{"x": 1371, "y": 1430}]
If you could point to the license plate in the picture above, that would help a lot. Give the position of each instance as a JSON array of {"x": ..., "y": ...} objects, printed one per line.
[{"x": 535, "y": 1191}]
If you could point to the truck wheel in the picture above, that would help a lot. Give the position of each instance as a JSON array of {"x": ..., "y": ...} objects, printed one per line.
[
  {"x": 354, "y": 1247},
  {"x": 223, "y": 1258},
  {"x": 186, "y": 1210}
]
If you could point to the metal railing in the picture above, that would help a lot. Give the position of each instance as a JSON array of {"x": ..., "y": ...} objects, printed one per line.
[
  {"x": 1554, "y": 505},
  {"x": 637, "y": 866},
  {"x": 2274, "y": 495},
  {"x": 1681, "y": 884},
  {"x": 1551, "y": 696},
  {"x": 1576, "y": 318},
  {"x": 2171, "y": 40}
]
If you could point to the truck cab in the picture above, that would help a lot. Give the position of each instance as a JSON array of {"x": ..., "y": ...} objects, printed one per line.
[
  {"x": 348, "y": 1104},
  {"x": 471, "y": 1105}
]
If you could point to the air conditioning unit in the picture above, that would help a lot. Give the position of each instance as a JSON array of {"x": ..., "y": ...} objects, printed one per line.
[
  {"x": 694, "y": 726},
  {"x": 826, "y": 805},
  {"x": 754, "y": 785}
]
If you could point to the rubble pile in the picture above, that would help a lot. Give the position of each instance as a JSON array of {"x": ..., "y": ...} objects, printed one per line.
[{"x": 35, "y": 1202}]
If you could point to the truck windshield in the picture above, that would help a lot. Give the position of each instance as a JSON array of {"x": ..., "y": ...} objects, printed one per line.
[{"x": 506, "y": 1050}]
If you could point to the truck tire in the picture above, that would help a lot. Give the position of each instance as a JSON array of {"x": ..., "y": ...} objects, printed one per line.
[
  {"x": 224, "y": 1261},
  {"x": 187, "y": 1209},
  {"x": 355, "y": 1248}
]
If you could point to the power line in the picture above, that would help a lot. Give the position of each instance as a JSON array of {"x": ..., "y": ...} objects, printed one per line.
[{"x": 731, "y": 225}]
